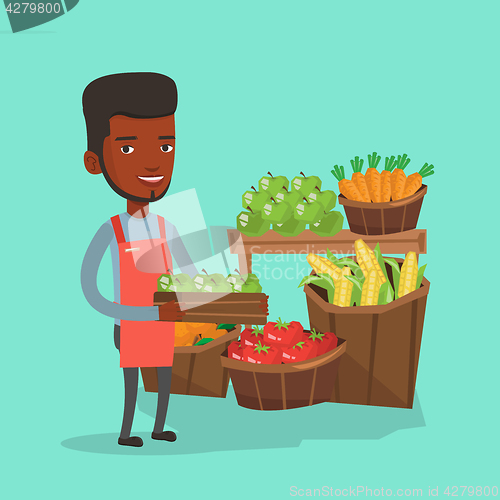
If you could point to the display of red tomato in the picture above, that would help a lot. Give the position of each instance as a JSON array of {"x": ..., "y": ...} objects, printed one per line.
[
  {"x": 284, "y": 334},
  {"x": 305, "y": 349},
  {"x": 250, "y": 337},
  {"x": 262, "y": 354},
  {"x": 235, "y": 350},
  {"x": 324, "y": 341}
]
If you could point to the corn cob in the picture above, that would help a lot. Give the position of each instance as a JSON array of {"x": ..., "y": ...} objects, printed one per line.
[
  {"x": 408, "y": 278},
  {"x": 343, "y": 289},
  {"x": 370, "y": 290},
  {"x": 367, "y": 260},
  {"x": 323, "y": 266}
]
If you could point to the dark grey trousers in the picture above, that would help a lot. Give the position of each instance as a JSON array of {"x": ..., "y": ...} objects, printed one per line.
[{"x": 131, "y": 377}]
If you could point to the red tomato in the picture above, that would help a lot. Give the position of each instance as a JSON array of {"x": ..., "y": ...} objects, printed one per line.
[
  {"x": 250, "y": 337},
  {"x": 285, "y": 334},
  {"x": 262, "y": 354},
  {"x": 305, "y": 349},
  {"x": 235, "y": 350},
  {"x": 324, "y": 341}
]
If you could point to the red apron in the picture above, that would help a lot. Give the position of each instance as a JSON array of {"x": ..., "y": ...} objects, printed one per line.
[{"x": 143, "y": 343}]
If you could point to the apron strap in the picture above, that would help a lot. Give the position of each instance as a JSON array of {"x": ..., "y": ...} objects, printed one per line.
[{"x": 117, "y": 227}]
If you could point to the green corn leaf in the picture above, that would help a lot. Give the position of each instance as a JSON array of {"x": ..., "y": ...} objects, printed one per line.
[
  {"x": 356, "y": 270},
  {"x": 380, "y": 260},
  {"x": 310, "y": 279},
  {"x": 396, "y": 273},
  {"x": 356, "y": 289},
  {"x": 386, "y": 294},
  {"x": 420, "y": 276},
  {"x": 331, "y": 257},
  {"x": 322, "y": 280}
]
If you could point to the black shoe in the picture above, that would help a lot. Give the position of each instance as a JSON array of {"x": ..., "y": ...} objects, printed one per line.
[
  {"x": 164, "y": 436},
  {"x": 131, "y": 441}
]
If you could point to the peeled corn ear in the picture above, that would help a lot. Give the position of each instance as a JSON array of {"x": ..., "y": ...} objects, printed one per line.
[
  {"x": 322, "y": 265},
  {"x": 343, "y": 289},
  {"x": 367, "y": 260},
  {"x": 408, "y": 277},
  {"x": 371, "y": 289}
]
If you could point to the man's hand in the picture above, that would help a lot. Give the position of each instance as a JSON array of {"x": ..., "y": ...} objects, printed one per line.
[{"x": 171, "y": 311}]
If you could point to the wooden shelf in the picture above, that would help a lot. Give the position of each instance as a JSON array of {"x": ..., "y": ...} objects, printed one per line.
[{"x": 308, "y": 242}]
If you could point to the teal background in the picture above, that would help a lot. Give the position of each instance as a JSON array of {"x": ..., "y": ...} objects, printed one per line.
[{"x": 286, "y": 86}]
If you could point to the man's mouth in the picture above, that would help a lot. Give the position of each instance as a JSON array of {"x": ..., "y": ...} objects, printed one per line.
[{"x": 151, "y": 181}]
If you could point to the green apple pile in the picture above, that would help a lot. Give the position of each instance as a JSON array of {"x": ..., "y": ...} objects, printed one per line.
[
  {"x": 211, "y": 283},
  {"x": 289, "y": 208}
]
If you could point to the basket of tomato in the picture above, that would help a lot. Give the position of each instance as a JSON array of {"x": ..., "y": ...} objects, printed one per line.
[
  {"x": 283, "y": 366},
  {"x": 383, "y": 202}
]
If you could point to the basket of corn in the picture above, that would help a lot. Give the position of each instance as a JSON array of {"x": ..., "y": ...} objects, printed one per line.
[
  {"x": 382, "y": 202},
  {"x": 378, "y": 305},
  {"x": 197, "y": 370}
]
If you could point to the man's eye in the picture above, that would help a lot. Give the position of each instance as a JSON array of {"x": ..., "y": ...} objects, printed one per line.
[
  {"x": 127, "y": 149},
  {"x": 166, "y": 148}
]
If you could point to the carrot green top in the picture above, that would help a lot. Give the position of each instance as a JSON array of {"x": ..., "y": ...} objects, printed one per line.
[
  {"x": 373, "y": 160},
  {"x": 426, "y": 170},
  {"x": 338, "y": 172},
  {"x": 357, "y": 164},
  {"x": 390, "y": 163},
  {"x": 402, "y": 162}
]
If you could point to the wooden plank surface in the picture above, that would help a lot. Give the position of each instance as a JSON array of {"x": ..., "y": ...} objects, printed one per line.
[{"x": 343, "y": 242}]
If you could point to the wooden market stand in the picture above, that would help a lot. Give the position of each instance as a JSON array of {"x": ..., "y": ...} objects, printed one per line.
[{"x": 308, "y": 242}]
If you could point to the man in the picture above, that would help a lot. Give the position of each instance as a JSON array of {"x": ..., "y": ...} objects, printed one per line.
[{"x": 131, "y": 140}]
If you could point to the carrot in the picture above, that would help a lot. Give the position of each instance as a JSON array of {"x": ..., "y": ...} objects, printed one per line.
[
  {"x": 385, "y": 178},
  {"x": 359, "y": 179},
  {"x": 414, "y": 181},
  {"x": 346, "y": 186},
  {"x": 372, "y": 177},
  {"x": 398, "y": 177}
]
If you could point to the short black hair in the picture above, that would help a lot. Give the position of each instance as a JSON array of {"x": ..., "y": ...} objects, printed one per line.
[{"x": 137, "y": 95}]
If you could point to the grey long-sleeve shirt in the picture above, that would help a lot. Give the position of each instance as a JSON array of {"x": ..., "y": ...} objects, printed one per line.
[{"x": 134, "y": 229}]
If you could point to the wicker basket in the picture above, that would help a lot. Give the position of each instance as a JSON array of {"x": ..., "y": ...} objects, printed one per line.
[
  {"x": 285, "y": 386},
  {"x": 384, "y": 218}
]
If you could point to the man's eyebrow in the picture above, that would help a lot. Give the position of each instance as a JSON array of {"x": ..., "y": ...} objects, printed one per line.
[
  {"x": 166, "y": 137},
  {"x": 127, "y": 138}
]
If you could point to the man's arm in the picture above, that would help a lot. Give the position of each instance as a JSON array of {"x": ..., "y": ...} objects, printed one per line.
[{"x": 90, "y": 266}]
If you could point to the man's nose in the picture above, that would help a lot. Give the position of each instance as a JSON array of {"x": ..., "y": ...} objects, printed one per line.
[{"x": 153, "y": 169}]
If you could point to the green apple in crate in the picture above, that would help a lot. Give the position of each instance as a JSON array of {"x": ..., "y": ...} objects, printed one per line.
[
  {"x": 252, "y": 224},
  {"x": 164, "y": 282},
  {"x": 217, "y": 285},
  {"x": 255, "y": 199},
  {"x": 236, "y": 281},
  {"x": 329, "y": 225},
  {"x": 277, "y": 213},
  {"x": 251, "y": 285},
  {"x": 203, "y": 278},
  {"x": 182, "y": 283},
  {"x": 327, "y": 199},
  {"x": 308, "y": 212},
  {"x": 305, "y": 184},
  {"x": 272, "y": 185},
  {"x": 292, "y": 227}
]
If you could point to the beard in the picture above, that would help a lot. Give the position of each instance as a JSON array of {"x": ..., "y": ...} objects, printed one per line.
[{"x": 131, "y": 197}]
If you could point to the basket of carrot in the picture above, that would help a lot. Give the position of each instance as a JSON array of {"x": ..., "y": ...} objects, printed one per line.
[{"x": 382, "y": 202}]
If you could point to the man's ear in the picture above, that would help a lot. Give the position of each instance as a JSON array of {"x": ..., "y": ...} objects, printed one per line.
[{"x": 92, "y": 164}]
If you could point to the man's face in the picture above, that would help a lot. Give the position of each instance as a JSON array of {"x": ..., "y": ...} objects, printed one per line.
[{"x": 139, "y": 156}]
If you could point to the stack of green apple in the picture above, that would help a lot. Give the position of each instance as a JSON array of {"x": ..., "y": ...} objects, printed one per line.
[
  {"x": 214, "y": 283},
  {"x": 289, "y": 210}
]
